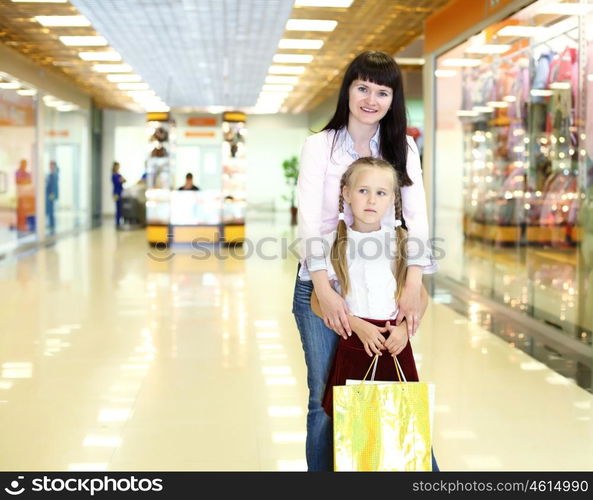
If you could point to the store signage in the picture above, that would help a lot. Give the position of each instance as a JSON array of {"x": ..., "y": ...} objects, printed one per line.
[
  {"x": 234, "y": 116},
  {"x": 192, "y": 133},
  {"x": 16, "y": 111},
  {"x": 57, "y": 133},
  {"x": 157, "y": 117},
  {"x": 202, "y": 121}
]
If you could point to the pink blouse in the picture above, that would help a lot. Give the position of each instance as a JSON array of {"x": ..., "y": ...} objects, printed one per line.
[{"x": 318, "y": 195}]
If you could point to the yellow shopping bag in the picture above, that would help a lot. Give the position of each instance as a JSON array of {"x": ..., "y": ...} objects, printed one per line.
[{"x": 383, "y": 426}]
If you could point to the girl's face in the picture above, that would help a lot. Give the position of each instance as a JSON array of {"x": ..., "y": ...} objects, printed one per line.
[
  {"x": 368, "y": 102},
  {"x": 370, "y": 193}
]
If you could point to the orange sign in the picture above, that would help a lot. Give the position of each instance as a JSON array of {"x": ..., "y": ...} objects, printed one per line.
[
  {"x": 202, "y": 121},
  {"x": 57, "y": 133},
  {"x": 191, "y": 133}
]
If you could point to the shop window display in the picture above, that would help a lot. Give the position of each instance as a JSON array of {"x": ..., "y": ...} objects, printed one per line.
[{"x": 513, "y": 140}]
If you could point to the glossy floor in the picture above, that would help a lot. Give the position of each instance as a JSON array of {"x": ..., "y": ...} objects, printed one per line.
[{"x": 114, "y": 356}]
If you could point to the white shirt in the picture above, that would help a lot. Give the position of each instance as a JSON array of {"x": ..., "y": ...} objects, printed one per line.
[
  {"x": 370, "y": 258},
  {"x": 319, "y": 189}
]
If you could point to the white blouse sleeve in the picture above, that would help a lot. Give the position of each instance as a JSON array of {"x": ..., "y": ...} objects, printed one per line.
[
  {"x": 312, "y": 168},
  {"x": 415, "y": 214}
]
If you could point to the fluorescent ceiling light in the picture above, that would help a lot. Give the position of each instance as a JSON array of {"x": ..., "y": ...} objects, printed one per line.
[
  {"x": 63, "y": 21},
  {"x": 282, "y": 79},
  {"x": 83, "y": 41},
  {"x": 295, "y": 43},
  {"x": 445, "y": 73},
  {"x": 133, "y": 86},
  {"x": 324, "y": 3},
  {"x": 293, "y": 58},
  {"x": 286, "y": 70},
  {"x": 310, "y": 25},
  {"x": 540, "y": 92},
  {"x": 522, "y": 31},
  {"x": 100, "y": 56},
  {"x": 497, "y": 104},
  {"x": 124, "y": 78},
  {"x": 27, "y": 92},
  {"x": 39, "y": 1},
  {"x": 488, "y": 48},
  {"x": 112, "y": 68},
  {"x": 10, "y": 85},
  {"x": 410, "y": 61},
  {"x": 461, "y": 62},
  {"x": 277, "y": 88},
  {"x": 566, "y": 9},
  {"x": 67, "y": 107}
]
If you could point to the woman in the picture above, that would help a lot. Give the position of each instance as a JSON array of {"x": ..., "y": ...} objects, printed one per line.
[
  {"x": 118, "y": 188},
  {"x": 370, "y": 120}
]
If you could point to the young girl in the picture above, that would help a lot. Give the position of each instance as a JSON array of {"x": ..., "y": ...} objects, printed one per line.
[{"x": 367, "y": 265}]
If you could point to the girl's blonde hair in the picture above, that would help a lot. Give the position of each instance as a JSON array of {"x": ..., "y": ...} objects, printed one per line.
[{"x": 339, "y": 247}]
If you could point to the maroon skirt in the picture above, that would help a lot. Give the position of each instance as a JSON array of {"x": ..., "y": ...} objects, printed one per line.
[{"x": 352, "y": 362}]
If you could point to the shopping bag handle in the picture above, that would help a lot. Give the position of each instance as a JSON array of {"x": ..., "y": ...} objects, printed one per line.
[{"x": 400, "y": 373}]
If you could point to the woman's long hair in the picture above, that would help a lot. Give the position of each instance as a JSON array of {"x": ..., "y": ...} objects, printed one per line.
[
  {"x": 379, "y": 68},
  {"x": 340, "y": 245}
]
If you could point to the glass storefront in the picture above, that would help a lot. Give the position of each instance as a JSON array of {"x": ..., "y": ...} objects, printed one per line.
[
  {"x": 514, "y": 164},
  {"x": 17, "y": 167}
]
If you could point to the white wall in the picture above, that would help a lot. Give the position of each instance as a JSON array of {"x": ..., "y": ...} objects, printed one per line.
[{"x": 272, "y": 139}]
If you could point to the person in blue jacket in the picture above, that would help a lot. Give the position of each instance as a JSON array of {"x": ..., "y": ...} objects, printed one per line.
[
  {"x": 118, "y": 186},
  {"x": 51, "y": 196}
]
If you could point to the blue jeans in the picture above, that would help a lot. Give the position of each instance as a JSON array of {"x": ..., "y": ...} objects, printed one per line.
[{"x": 319, "y": 344}]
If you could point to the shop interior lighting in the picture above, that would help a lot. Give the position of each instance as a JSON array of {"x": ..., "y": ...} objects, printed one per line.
[
  {"x": 10, "y": 85},
  {"x": 100, "y": 56},
  {"x": 83, "y": 41},
  {"x": 590, "y": 78},
  {"x": 560, "y": 85},
  {"x": 510, "y": 98},
  {"x": 62, "y": 21},
  {"x": 112, "y": 68},
  {"x": 124, "y": 78},
  {"x": 282, "y": 79},
  {"x": 286, "y": 70},
  {"x": 277, "y": 88},
  {"x": 522, "y": 31},
  {"x": 39, "y": 1},
  {"x": 133, "y": 86},
  {"x": 497, "y": 104},
  {"x": 566, "y": 9},
  {"x": 488, "y": 48},
  {"x": 27, "y": 92},
  {"x": 467, "y": 112},
  {"x": 483, "y": 109},
  {"x": 344, "y": 4},
  {"x": 410, "y": 61},
  {"x": 540, "y": 92},
  {"x": 463, "y": 62},
  {"x": 65, "y": 108},
  {"x": 293, "y": 58},
  {"x": 310, "y": 25},
  {"x": 445, "y": 73},
  {"x": 295, "y": 43}
]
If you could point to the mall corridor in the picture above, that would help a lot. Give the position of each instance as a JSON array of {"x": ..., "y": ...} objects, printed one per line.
[{"x": 114, "y": 357}]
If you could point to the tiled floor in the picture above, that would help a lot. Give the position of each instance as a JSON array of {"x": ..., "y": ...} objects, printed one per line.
[{"x": 115, "y": 356}]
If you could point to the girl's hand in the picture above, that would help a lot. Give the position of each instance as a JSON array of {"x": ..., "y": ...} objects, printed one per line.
[
  {"x": 334, "y": 312},
  {"x": 369, "y": 335},
  {"x": 397, "y": 340}
]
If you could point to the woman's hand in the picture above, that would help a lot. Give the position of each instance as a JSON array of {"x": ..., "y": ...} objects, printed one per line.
[
  {"x": 369, "y": 335},
  {"x": 413, "y": 301},
  {"x": 334, "y": 312},
  {"x": 397, "y": 340}
]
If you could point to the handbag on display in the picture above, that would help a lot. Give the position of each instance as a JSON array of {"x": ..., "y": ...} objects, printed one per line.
[{"x": 383, "y": 426}]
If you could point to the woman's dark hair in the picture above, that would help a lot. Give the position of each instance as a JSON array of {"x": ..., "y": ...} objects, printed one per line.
[
  {"x": 381, "y": 69},
  {"x": 115, "y": 164}
]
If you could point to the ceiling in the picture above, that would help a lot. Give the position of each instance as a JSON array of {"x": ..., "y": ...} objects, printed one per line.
[{"x": 200, "y": 53}]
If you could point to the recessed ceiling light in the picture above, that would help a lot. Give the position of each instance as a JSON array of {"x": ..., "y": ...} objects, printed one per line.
[
  {"x": 445, "y": 73},
  {"x": 296, "y": 43},
  {"x": 124, "y": 78},
  {"x": 461, "y": 62},
  {"x": 282, "y": 79},
  {"x": 112, "y": 68},
  {"x": 83, "y": 41},
  {"x": 522, "y": 31},
  {"x": 277, "y": 88},
  {"x": 286, "y": 70},
  {"x": 26, "y": 92},
  {"x": 100, "y": 56},
  {"x": 293, "y": 58},
  {"x": 488, "y": 49},
  {"x": 62, "y": 21},
  {"x": 566, "y": 9},
  {"x": 324, "y": 3},
  {"x": 10, "y": 85},
  {"x": 133, "y": 86},
  {"x": 410, "y": 61},
  {"x": 310, "y": 25}
]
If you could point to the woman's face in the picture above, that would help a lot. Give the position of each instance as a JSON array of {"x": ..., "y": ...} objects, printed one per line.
[{"x": 368, "y": 102}]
